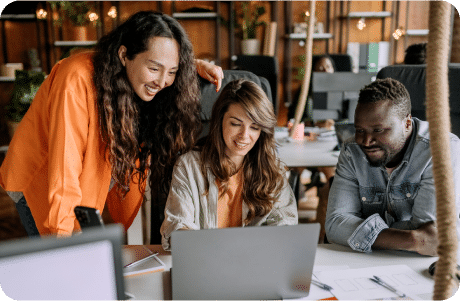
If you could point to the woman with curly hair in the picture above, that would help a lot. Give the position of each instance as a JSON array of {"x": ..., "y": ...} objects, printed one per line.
[
  {"x": 101, "y": 120},
  {"x": 233, "y": 177}
]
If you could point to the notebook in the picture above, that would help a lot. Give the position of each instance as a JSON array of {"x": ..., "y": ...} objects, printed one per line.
[
  {"x": 344, "y": 131},
  {"x": 85, "y": 266},
  {"x": 271, "y": 262}
]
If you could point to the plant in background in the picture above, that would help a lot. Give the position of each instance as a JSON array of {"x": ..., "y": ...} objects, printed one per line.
[
  {"x": 26, "y": 85},
  {"x": 78, "y": 12},
  {"x": 301, "y": 70},
  {"x": 250, "y": 14}
]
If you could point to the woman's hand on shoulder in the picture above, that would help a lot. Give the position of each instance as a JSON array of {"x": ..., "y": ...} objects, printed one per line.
[{"x": 211, "y": 72}]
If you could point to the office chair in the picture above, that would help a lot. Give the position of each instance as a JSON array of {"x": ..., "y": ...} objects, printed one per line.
[
  {"x": 263, "y": 66},
  {"x": 208, "y": 98},
  {"x": 413, "y": 77}
]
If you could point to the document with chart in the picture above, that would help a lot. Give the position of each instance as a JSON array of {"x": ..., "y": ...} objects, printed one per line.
[{"x": 395, "y": 282}]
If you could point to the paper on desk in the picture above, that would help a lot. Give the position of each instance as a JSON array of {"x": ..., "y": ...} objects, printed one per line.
[
  {"x": 354, "y": 284},
  {"x": 317, "y": 293}
]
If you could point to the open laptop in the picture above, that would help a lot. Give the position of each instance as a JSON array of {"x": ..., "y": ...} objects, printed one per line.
[
  {"x": 271, "y": 262},
  {"x": 344, "y": 130},
  {"x": 85, "y": 266}
]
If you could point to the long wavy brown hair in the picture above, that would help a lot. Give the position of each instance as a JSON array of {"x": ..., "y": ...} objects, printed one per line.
[
  {"x": 155, "y": 132},
  {"x": 262, "y": 172}
]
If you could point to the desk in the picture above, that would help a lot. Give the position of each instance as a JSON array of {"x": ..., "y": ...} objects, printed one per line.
[
  {"x": 305, "y": 153},
  {"x": 299, "y": 154},
  {"x": 157, "y": 285}
]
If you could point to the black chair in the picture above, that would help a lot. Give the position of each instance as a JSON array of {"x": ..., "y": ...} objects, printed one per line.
[
  {"x": 208, "y": 98},
  {"x": 413, "y": 77},
  {"x": 263, "y": 66}
]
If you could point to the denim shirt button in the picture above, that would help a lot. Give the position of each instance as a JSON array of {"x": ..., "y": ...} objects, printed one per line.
[
  {"x": 357, "y": 244},
  {"x": 363, "y": 198},
  {"x": 408, "y": 195}
]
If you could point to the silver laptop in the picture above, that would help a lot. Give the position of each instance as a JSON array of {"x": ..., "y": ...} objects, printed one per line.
[
  {"x": 86, "y": 266},
  {"x": 271, "y": 262}
]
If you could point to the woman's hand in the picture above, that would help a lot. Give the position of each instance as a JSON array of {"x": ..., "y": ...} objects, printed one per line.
[{"x": 211, "y": 72}]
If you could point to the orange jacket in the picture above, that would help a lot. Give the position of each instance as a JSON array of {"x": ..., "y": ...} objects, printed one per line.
[{"x": 56, "y": 155}]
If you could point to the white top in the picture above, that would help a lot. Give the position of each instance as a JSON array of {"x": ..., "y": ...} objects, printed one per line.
[{"x": 188, "y": 207}]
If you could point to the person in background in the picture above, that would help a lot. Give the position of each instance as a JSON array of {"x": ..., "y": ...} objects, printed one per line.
[
  {"x": 101, "y": 120},
  {"x": 415, "y": 54},
  {"x": 324, "y": 63},
  {"x": 383, "y": 194},
  {"x": 233, "y": 178}
]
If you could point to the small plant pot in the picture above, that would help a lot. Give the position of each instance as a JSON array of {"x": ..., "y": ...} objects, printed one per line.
[
  {"x": 250, "y": 47},
  {"x": 80, "y": 33}
]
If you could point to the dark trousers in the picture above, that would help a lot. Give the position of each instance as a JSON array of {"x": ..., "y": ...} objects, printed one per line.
[{"x": 26, "y": 218}]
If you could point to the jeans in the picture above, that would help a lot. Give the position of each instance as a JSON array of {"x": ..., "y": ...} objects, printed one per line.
[{"x": 27, "y": 218}]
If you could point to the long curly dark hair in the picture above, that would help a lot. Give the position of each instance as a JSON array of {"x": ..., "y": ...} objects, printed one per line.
[
  {"x": 155, "y": 132},
  {"x": 262, "y": 170}
]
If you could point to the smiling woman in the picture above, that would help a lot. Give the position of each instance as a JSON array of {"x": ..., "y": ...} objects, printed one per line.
[
  {"x": 152, "y": 70},
  {"x": 96, "y": 132},
  {"x": 233, "y": 177}
]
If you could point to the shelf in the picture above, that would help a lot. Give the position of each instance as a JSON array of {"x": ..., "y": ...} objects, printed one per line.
[
  {"x": 303, "y": 36},
  {"x": 74, "y": 43},
  {"x": 204, "y": 15},
  {"x": 416, "y": 32},
  {"x": 19, "y": 17},
  {"x": 6, "y": 79},
  {"x": 370, "y": 14}
]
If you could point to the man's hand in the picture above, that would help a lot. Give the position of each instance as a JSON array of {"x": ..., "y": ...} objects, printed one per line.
[
  {"x": 426, "y": 238},
  {"x": 423, "y": 240},
  {"x": 211, "y": 72}
]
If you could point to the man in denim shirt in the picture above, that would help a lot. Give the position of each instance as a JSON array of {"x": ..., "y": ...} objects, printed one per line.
[{"x": 383, "y": 193}]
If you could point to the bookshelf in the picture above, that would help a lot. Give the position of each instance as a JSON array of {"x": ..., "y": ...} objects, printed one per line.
[
  {"x": 20, "y": 18},
  {"x": 214, "y": 16},
  {"x": 300, "y": 38}
]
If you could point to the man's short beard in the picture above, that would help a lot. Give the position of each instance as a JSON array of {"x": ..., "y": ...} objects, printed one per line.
[
  {"x": 380, "y": 162},
  {"x": 387, "y": 155}
]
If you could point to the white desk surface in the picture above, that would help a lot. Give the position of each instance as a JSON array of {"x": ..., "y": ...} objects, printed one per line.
[
  {"x": 305, "y": 153},
  {"x": 158, "y": 285}
]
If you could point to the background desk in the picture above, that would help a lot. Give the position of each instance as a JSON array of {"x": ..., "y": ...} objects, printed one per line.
[
  {"x": 298, "y": 155},
  {"x": 306, "y": 154},
  {"x": 158, "y": 285}
]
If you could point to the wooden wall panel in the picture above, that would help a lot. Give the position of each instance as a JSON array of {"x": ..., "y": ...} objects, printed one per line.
[{"x": 22, "y": 35}]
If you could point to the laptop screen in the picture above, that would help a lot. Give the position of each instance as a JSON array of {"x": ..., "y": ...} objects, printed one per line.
[
  {"x": 86, "y": 266},
  {"x": 251, "y": 263}
]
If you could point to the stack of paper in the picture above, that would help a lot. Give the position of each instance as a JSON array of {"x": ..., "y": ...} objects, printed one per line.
[{"x": 355, "y": 284}]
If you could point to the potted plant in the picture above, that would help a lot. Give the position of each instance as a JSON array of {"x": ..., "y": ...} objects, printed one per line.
[
  {"x": 249, "y": 16},
  {"x": 26, "y": 85},
  {"x": 77, "y": 12}
]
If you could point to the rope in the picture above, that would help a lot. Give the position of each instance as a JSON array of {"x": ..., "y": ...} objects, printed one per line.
[
  {"x": 306, "y": 79},
  {"x": 437, "y": 92}
]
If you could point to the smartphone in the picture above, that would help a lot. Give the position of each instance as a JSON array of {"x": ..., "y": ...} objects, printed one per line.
[{"x": 88, "y": 217}]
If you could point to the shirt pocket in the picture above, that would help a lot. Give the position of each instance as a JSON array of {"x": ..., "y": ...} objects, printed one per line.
[
  {"x": 372, "y": 200},
  {"x": 402, "y": 199}
]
